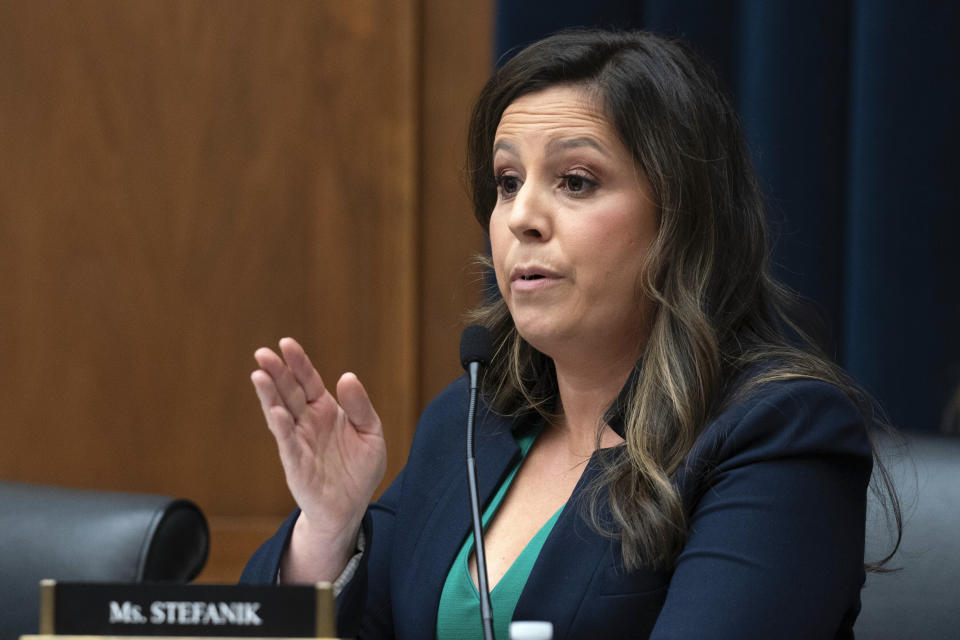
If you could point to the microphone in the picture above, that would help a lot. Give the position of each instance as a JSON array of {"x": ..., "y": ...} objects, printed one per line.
[{"x": 476, "y": 350}]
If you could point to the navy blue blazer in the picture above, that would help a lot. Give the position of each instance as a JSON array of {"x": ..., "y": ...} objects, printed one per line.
[{"x": 775, "y": 491}]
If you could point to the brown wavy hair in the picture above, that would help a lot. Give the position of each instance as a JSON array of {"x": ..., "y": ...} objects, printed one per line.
[{"x": 718, "y": 311}]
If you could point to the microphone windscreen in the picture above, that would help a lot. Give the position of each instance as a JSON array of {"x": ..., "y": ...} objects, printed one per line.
[{"x": 476, "y": 345}]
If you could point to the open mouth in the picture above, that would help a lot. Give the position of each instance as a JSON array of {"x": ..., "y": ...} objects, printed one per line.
[{"x": 533, "y": 276}]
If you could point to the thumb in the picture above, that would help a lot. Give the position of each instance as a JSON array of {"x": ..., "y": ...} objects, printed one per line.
[{"x": 356, "y": 404}]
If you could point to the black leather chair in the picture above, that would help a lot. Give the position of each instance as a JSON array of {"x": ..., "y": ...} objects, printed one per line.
[
  {"x": 76, "y": 535},
  {"x": 922, "y": 599}
]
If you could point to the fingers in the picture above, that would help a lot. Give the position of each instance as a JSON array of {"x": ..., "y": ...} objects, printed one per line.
[
  {"x": 303, "y": 370},
  {"x": 286, "y": 385},
  {"x": 356, "y": 404},
  {"x": 278, "y": 418},
  {"x": 289, "y": 390}
]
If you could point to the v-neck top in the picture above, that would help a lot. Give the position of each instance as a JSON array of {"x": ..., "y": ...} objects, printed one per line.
[{"x": 458, "y": 615}]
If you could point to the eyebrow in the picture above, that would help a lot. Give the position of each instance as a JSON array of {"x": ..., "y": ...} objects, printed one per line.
[
  {"x": 506, "y": 146},
  {"x": 572, "y": 143},
  {"x": 554, "y": 145}
]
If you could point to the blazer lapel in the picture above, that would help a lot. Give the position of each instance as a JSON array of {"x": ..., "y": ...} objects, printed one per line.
[
  {"x": 448, "y": 524},
  {"x": 570, "y": 556}
]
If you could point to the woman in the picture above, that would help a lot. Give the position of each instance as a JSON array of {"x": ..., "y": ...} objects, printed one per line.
[{"x": 662, "y": 453}]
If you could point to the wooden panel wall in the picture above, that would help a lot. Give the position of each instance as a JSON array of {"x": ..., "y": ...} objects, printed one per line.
[
  {"x": 455, "y": 60},
  {"x": 183, "y": 181}
]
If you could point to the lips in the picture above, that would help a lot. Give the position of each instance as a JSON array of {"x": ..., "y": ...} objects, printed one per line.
[
  {"x": 532, "y": 277},
  {"x": 532, "y": 272}
]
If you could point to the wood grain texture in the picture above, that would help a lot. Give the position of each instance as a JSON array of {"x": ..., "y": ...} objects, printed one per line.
[
  {"x": 456, "y": 61},
  {"x": 233, "y": 539},
  {"x": 182, "y": 182}
]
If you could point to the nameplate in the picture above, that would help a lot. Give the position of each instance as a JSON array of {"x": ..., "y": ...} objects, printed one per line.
[{"x": 107, "y": 609}]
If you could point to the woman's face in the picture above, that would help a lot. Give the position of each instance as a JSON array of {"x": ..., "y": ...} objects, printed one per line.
[{"x": 572, "y": 224}]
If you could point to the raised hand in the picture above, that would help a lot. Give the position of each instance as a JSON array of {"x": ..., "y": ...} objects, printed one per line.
[{"x": 333, "y": 456}]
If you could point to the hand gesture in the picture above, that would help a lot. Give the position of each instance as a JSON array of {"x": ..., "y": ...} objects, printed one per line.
[{"x": 332, "y": 449}]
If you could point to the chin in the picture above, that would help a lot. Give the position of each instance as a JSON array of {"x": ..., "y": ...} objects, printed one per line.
[{"x": 540, "y": 335}]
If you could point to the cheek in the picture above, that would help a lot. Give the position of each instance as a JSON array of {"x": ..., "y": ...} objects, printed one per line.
[
  {"x": 499, "y": 243},
  {"x": 613, "y": 263}
]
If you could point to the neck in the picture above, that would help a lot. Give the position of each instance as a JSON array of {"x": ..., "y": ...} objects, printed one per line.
[{"x": 586, "y": 393}]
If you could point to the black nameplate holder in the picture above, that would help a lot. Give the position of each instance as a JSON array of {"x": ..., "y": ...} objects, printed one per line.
[{"x": 113, "y": 609}]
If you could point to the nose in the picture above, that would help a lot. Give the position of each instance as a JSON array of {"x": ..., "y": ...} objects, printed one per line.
[{"x": 530, "y": 218}]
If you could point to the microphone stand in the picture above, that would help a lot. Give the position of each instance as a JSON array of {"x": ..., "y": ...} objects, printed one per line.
[{"x": 486, "y": 611}]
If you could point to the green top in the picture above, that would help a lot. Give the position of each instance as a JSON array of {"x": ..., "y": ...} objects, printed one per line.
[{"x": 458, "y": 617}]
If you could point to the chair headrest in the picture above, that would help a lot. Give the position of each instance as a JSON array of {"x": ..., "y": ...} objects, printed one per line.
[
  {"x": 916, "y": 600},
  {"x": 80, "y": 535}
]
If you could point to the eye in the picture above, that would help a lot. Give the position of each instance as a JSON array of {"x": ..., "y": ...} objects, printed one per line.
[
  {"x": 577, "y": 184},
  {"x": 508, "y": 185}
]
